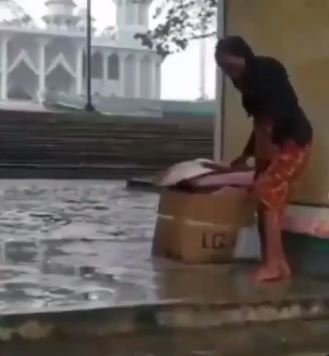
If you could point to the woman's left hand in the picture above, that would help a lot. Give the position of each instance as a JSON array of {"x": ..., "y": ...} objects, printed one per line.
[{"x": 216, "y": 167}]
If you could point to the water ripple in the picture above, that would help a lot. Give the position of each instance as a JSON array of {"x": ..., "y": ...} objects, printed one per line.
[{"x": 66, "y": 242}]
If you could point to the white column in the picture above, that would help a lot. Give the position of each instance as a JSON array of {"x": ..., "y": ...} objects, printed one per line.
[
  {"x": 138, "y": 78},
  {"x": 145, "y": 14},
  {"x": 4, "y": 68},
  {"x": 42, "y": 68},
  {"x": 122, "y": 74},
  {"x": 105, "y": 67},
  {"x": 158, "y": 80},
  {"x": 119, "y": 13},
  {"x": 136, "y": 11},
  {"x": 124, "y": 13},
  {"x": 79, "y": 69},
  {"x": 217, "y": 152},
  {"x": 154, "y": 80},
  {"x": 105, "y": 73}
]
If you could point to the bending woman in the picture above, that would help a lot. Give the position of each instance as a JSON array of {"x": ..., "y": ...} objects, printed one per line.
[{"x": 280, "y": 142}]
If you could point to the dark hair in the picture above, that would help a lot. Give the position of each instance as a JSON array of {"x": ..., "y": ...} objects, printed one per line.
[{"x": 234, "y": 45}]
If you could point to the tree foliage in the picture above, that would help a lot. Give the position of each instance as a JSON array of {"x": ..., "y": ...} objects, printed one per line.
[{"x": 179, "y": 22}]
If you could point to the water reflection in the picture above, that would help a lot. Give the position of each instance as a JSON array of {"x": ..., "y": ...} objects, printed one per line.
[
  {"x": 57, "y": 251},
  {"x": 68, "y": 242}
]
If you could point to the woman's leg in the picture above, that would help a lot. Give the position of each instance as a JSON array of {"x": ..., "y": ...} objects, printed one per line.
[
  {"x": 272, "y": 196},
  {"x": 272, "y": 189},
  {"x": 261, "y": 167},
  {"x": 276, "y": 266},
  {"x": 261, "y": 230}
]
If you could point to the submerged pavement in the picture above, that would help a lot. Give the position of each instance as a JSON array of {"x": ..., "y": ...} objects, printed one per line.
[
  {"x": 75, "y": 260},
  {"x": 75, "y": 244}
]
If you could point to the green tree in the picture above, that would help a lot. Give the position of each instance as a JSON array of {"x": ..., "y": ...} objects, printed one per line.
[{"x": 178, "y": 23}]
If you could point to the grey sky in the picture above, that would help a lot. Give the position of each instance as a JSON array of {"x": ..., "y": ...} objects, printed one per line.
[{"x": 180, "y": 72}]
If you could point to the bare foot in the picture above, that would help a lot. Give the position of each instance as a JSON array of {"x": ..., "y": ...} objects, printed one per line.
[
  {"x": 285, "y": 268},
  {"x": 274, "y": 272}
]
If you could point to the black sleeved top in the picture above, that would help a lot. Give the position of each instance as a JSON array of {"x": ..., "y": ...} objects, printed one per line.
[{"x": 268, "y": 94}]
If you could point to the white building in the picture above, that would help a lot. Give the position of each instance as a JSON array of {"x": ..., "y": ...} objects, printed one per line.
[{"x": 38, "y": 60}]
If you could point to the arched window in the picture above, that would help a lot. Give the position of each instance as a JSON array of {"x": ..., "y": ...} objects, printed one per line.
[
  {"x": 113, "y": 67},
  {"x": 97, "y": 66}
]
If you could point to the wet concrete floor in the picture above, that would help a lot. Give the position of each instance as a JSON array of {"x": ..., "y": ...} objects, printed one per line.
[
  {"x": 73, "y": 243},
  {"x": 247, "y": 342},
  {"x": 79, "y": 244}
]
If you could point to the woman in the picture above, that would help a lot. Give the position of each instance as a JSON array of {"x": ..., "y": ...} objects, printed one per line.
[{"x": 280, "y": 142}]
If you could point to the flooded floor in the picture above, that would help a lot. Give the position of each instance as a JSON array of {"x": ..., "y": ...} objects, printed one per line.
[
  {"x": 82, "y": 244},
  {"x": 73, "y": 243}
]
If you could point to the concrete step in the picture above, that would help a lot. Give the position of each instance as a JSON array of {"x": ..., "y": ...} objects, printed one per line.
[{"x": 57, "y": 138}]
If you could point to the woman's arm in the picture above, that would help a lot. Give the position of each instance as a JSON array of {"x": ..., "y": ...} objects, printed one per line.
[
  {"x": 240, "y": 163},
  {"x": 249, "y": 149}
]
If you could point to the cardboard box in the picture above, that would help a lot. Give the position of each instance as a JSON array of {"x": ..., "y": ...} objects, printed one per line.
[{"x": 201, "y": 228}]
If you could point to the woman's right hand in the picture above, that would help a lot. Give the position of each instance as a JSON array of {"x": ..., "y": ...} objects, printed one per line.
[{"x": 212, "y": 165}]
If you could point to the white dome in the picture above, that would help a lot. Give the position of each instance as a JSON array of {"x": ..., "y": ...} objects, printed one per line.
[
  {"x": 65, "y": 2},
  {"x": 60, "y": 13},
  {"x": 60, "y": 7}
]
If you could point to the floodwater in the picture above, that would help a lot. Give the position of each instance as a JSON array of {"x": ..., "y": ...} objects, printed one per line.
[
  {"x": 79, "y": 244},
  {"x": 73, "y": 243}
]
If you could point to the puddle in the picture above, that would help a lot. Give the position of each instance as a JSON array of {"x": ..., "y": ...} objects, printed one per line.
[{"x": 61, "y": 242}]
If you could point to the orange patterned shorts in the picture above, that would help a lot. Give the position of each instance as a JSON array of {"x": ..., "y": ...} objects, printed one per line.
[{"x": 273, "y": 184}]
